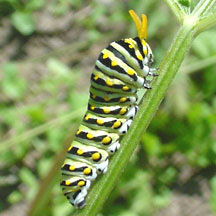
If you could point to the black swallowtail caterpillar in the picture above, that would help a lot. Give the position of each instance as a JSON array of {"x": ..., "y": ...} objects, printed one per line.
[{"x": 120, "y": 70}]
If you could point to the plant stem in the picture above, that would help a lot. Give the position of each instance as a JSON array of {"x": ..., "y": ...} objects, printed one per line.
[
  {"x": 206, "y": 23},
  {"x": 168, "y": 69},
  {"x": 40, "y": 129},
  {"x": 203, "y": 7},
  {"x": 198, "y": 65},
  {"x": 176, "y": 9}
]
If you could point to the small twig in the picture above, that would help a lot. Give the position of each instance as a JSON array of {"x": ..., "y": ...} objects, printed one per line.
[
  {"x": 176, "y": 8},
  {"x": 40, "y": 129},
  {"x": 203, "y": 7},
  {"x": 198, "y": 65},
  {"x": 206, "y": 23}
]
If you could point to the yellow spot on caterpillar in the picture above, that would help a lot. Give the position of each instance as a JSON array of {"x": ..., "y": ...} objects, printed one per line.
[
  {"x": 87, "y": 117},
  {"x": 130, "y": 46},
  {"x": 70, "y": 148},
  {"x": 109, "y": 83},
  {"x": 96, "y": 77},
  {"x": 94, "y": 96},
  {"x": 96, "y": 156},
  {"x": 117, "y": 124},
  {"x": 114, "y": 63},
  {"x": 89, "y": 136},
  {"x": 123, "y": 99},
  {"x": 145, "y": 52},
  {"x": 105, "y": 56},
  {"x": 131, "y": 72},
  {"x": 100, "y": 122},
  {"x": 123, "y": 111},
  {"x": 106, "y": 99},
  {"x": 106, "y": 140},
  {"x": 71, "y": 168},
  {"x": 92, "y": 107},
  {"x": 127, "y": 41},
  {"x": 81, "y": 183},
  {"x": 86, "y": 171},
  {"x": 67, "y": 182},
  {"x": 125, "y": 88},
  {"x": 139, "y": 56},
  {"x": 79, "y": 152},
  {"x": 78, "y": 131},
  {"x": 106, "y": 110},
  {"x": 143, "y": 42}
]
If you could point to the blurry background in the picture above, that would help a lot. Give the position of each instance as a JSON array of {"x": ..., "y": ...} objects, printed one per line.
[{"x": 47, "y": 52}]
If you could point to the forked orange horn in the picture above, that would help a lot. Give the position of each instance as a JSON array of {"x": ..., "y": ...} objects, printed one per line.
[{"x": 141, "y": 25}]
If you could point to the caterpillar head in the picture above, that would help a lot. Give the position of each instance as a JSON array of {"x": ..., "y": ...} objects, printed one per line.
[{"x": 141, "y": 26}]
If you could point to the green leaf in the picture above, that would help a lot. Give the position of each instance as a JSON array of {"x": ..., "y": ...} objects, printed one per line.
[
  {"x": 23, "y": 22},
  {"x": 14, "y": 197},
  {"x": 13, "y": 85},
  {"x": 58, "y": 68},
  {"x": 34, "y": 4},
  {"x": 28, "y": 177},
  {"x": 213, "y": 193},
  {"x": 151, "y": 144},
  {"x": 185, "y": 3}
]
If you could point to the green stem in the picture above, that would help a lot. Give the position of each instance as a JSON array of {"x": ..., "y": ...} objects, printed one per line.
[
  {"x": 203, "y": 7},
  {"x": 40, "y": 129},
  {"x": 198, "y": 65},
  {"x": 206, "y": 23},
  {"x": 177, "y": 10},
  {"x": 168, "y": 69}
]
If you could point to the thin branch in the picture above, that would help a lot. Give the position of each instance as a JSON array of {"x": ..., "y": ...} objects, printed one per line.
[
  {"x": 176, "y": 8},
  {"x": 198, "y": 65},
  {"x": 206, "y": 23},
  {"x": 203, "y": 7},
  {"x": 40, "y": 129}
]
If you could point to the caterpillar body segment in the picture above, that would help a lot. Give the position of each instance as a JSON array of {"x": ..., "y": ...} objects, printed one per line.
[
  {"x": 127, "y": 112},
  {"x": 109, "y": 124},
  {"x": 106, "y": 83},
  {"x": 91, "y": 155},
  {"x": 121, "y": 69},
  {"x": 107, "y": 98}
]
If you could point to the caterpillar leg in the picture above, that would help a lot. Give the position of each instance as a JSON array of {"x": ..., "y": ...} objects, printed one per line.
[
  {"x": 125, "y": 127},
  {"x": 151, "y": 72},
  {"x": 113, "y": 148},
  {"x": 132, "y": 112},
  {"x": 77, "y": 199},
  {"x": 147, "y": 84},
  {"x": 102, "y": 167}
]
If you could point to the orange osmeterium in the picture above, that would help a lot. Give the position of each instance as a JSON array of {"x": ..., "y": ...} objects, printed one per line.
[{"x": 141, "y": 25}]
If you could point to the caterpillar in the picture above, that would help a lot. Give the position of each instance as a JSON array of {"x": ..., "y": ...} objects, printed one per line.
[{"x": 120, "y": 70}]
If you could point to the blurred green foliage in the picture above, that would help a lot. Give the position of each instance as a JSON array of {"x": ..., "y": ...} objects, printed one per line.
[{"x": 182, "y": 134}]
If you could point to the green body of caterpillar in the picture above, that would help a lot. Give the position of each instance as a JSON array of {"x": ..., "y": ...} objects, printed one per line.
[{"x": 120, "y": 70}]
